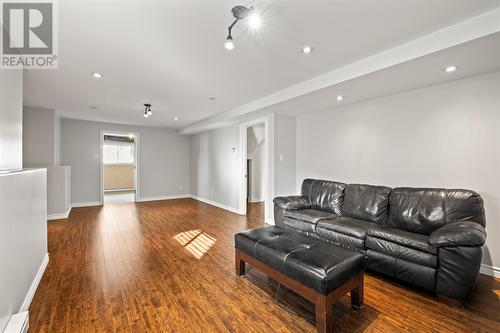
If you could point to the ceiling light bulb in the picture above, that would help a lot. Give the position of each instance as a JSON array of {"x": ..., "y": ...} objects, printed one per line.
[
  {"x": 307, "y": 49},
  {"x": 254, "y": 21},
  {"x": 149, "y": 112},
  {"x": 451, "y": 69},
  {"x": 146, "y": 115},
  {"x": 340, "y": 98},
  {"x": 96, "y": 75},
  {"x": 229, "y": 43},
  {"x": 176, "y": 118},
  {"x": 130, "y": 136}
]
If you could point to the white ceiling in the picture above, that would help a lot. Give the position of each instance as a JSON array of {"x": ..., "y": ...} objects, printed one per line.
[
  {"x": 476, "y": 57},
  {"x": 170, "y": 53}
]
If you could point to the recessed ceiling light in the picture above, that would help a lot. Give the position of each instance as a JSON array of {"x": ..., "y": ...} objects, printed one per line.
[
  {"x": 96, "y": 75},
  {"x": 340, "y": 98},
  {"x": 307, "y": 49},
  {"x": 451, "y": 69},
  {"x": 175, "y": 118}
]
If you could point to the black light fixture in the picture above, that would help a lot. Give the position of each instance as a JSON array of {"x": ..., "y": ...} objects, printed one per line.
[
  {"x": 241, "y": 13},
  {"x": 147, "y": 110}
]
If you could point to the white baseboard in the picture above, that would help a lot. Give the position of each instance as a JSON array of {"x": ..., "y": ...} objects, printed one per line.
[
  {"x": 18, "y": 323},
  {"x": 59, "y": 216},
  {"x": 119, "y": 190},
  {"x": 86, "y": 204},
  {"x": 217, "y": 204},
  {"x": 490, "y": 270},
  {"x": 34, "y": 285},
  {"x": 165, "y": 197},
  {"x": 252, "y": 200}
]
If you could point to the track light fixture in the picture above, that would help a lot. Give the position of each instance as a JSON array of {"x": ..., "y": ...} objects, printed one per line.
[
  {"x": 241, "y": 13},
  {"x": 147, "y": 110}
]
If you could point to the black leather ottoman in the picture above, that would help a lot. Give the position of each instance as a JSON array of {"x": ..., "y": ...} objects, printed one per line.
[{"x": 319, "y": 271}]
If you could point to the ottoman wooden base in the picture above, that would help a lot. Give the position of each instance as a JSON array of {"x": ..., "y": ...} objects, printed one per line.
[{"x": 323, "y": 303}]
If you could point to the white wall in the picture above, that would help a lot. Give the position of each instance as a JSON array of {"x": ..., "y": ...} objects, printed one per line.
[
  {"x": 215, "y": 167},
  {"x": 441, "y": 136},
  {"x": 256, "y": 153},
  {"x": 39, "y": 136},
  {"x": 163, "y": 159},
  {"x": 285, "y": 149},
  {"x": 41, "y": 149},
  {"x": 23, "y": 207},
  {"x": 23, "y": 239},
  {"x": 11, "y": 119},
  {"x": 57, "y": 140},
  {"x": 58, "y": 191}
]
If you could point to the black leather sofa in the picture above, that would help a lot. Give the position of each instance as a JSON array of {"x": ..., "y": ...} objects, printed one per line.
[{"x": 428, "y": 237}]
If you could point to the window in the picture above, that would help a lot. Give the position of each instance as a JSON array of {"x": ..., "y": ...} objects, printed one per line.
[{"x": 118, "y": 154}]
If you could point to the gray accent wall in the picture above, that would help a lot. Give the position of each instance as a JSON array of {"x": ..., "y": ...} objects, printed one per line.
[
  {"x": 441, "y": 136},
  {"x": 163, "y": 159},
  {"x": 11, "y": 119},
  {"x": 40, "y": 133},
  {"x": 215, "y": 166}
]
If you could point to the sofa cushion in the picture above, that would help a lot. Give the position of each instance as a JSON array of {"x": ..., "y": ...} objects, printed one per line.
[
  {"x": 366, "y": 202},
  {"x": 299, "y": 225},
  {"x": 402, "y": 237},
  {"x": 417, "y": 210},
  {"x": 324, "y": 195},
  {"x": 401, "y": 252},
  {"x": 309, "y": 215},
  {"x": 347, "y": 226},
  {"x": 412, "y": 273}
]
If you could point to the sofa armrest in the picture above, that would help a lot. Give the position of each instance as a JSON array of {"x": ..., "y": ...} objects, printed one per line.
[
  {"x": 461, "y": 233},
  {"x": 294, "y": 202}
]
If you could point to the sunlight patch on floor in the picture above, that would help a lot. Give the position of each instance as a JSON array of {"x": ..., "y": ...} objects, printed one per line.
[{"x": 196, "y": 242}]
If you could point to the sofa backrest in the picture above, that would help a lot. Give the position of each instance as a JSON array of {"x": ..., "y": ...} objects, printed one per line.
[
  {"x": 366, "y": 202},
  {"x": 464, "y": 205},
  {"x": 419, "y": 210},
  {"x": 324, "y": 195}
]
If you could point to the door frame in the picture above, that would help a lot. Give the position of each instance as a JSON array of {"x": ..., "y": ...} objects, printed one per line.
[
  {"x": 243, "y": 163},
  {"x": 136, "y": 135}
]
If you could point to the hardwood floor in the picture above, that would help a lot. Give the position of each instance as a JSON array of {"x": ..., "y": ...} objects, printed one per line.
[
  {"x": 168, "y": 266},
  {"x": 255, "y": 211}
]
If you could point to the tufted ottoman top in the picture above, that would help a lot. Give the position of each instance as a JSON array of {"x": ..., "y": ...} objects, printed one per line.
[{"x": 317, "y": 264}]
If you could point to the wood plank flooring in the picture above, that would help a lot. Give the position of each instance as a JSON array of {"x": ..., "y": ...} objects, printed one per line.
[{"x": 168, "y": 266}]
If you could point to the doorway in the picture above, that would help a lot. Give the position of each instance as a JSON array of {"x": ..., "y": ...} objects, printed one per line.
[
  {"x": 254, "y": 160},
  {"x": 118, "y": 167}
]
